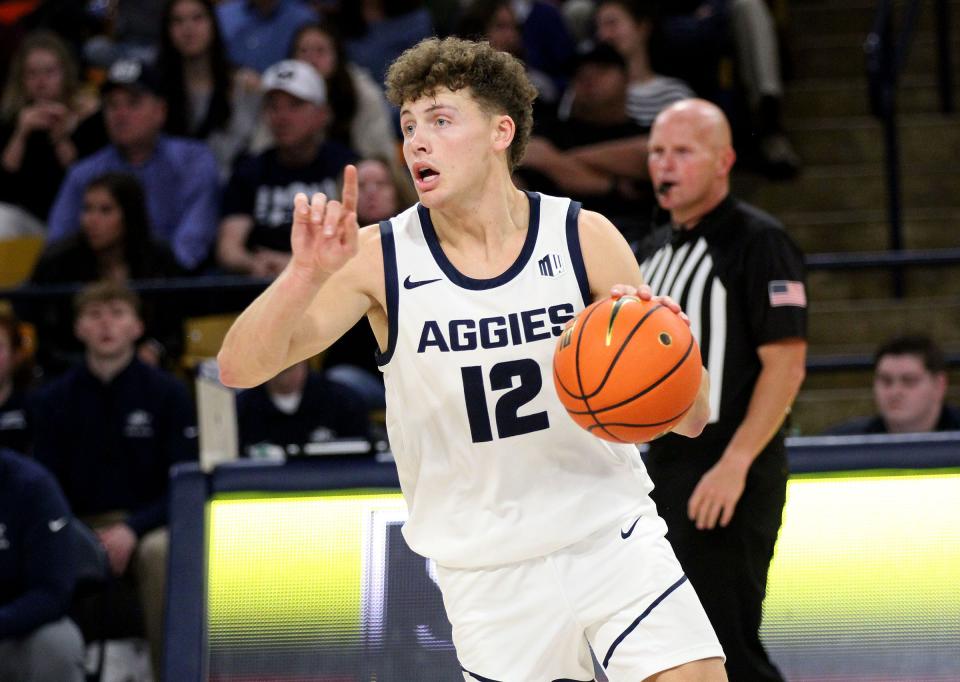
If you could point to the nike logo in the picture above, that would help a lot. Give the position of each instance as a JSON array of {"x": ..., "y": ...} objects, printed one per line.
[
  {"x": 57, "y": 524},
  {"x": 410, "y": 284},
  {"x": 629, "y": 531}
]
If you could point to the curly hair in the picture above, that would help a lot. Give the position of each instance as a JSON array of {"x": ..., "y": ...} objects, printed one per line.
[{"x": 496, "y": 80}]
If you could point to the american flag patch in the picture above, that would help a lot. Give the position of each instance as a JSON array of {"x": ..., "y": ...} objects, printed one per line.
[{"x": 787, "y": 292}]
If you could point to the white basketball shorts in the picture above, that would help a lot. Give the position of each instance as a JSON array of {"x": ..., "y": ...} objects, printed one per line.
[{"x": 621, "y": 590}]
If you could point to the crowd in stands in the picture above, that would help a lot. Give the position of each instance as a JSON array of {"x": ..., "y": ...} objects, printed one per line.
[{"x": 149, "y": 140}]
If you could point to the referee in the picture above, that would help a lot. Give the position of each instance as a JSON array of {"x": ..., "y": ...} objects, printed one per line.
[{"x": 740, "y": 279}]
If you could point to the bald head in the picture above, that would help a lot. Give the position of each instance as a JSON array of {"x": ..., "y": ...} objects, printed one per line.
[
  {"x": 705, "y": 118},
  {"x": 690, "y": 156}
]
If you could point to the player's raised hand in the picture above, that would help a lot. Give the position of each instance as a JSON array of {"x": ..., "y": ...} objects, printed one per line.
[{"x": 324, "y": 232}]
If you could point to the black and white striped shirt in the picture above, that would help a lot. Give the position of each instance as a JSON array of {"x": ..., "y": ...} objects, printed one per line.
[{"x": 740, "y": 279}]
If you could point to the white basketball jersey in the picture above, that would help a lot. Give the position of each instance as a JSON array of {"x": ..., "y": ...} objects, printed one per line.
[{"x": 492, "y": 468}]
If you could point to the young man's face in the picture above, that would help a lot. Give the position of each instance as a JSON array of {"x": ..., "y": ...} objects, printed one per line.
[
  {"x": 449, "y": 144},
  {"x": 108, "y": 329},
  {"x": 908, "y": 396}
]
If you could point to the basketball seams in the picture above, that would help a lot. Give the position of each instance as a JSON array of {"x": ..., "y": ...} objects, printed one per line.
[
  {"x": 583, "y": 395},
  {"x": 649, "y": 388},
  {"x": 576, "y": 358},
  {"x": 623, "y": 345},
  {"x": 629, "y": 425}
]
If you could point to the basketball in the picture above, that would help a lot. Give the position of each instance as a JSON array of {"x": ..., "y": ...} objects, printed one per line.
[{"x": 627, "y": 370}]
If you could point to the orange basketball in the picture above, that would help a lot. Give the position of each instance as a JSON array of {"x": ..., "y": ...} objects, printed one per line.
[{"x": 627, "y": 370}]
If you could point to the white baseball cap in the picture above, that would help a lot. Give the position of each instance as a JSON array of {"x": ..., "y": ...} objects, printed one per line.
[{"x": 296, "y": 78}]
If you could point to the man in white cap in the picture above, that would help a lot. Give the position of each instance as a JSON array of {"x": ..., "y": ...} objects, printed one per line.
[{"x": 254, "y": 233}]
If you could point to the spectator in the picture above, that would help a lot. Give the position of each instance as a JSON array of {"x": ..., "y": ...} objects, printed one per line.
[
  {"x": 114, "y": 241},
  {"x": 385, "y": 190},
  {"x": 696, "y": 33},
  {"x": 296, "y": 408},
  {"x": 547, "y": 42},
  {"x": 377, "y": 32},
  {"x": 909, "y": 388},
  {"x": 360, "y": 114},
  {"x": 691, "y": 40},
  {"x": 179, "y": 176},
  {"x": 597, "y": 153},
  {"x": 207, "y": 99},
  {"x": 109, "y": 430},
  {"x": 758, "y": 63},
  {"x": 258, "y": 33},
  {"x": 38, "y": 642},
  {"x": 496, "y": 22},
  {"x": 628, "y": 25},
  {"x": 255, "y": 230},
  {"x": 15, "y": 430},
  {"x": 41, "y": 134},
  {"x": 740, "y": 278}
]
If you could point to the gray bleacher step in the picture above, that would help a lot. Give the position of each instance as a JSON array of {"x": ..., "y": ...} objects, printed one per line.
[
  {"x": 868, "y": 229},
  {"x": 865, "y": 284},
  {"x": 843, "y": 55},
  {"x": 860, "y": 186},
  {"x": 828, "y": 97},
  {"x": 858, "y": 324},
  {"x": 838, "y": 17},
  {"x": 816, "y": 409},
  {"x": 929, "y": 140}
]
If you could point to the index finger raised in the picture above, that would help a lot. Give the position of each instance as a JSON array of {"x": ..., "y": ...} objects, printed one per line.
[{"x": 350, "y": 189}]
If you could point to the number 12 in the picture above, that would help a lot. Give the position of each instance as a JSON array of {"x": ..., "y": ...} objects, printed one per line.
[{"x": 509, "y": 422}]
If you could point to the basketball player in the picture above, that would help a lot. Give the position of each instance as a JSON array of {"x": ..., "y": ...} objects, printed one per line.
[{"x": 545, "y": 537}]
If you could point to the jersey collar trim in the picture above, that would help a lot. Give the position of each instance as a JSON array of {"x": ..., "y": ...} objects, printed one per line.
[{"x": 461, "y": 280}]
